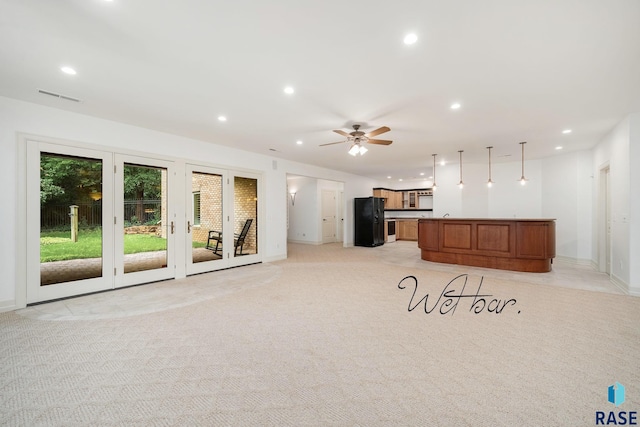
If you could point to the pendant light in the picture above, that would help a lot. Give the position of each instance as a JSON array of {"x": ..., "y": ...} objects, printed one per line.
[
  {"x": 489, "y": 182},
  {"x": 523, "y": 180},
  {"x": 434, "y": 187},
  {"x": 461, "y": 184}
]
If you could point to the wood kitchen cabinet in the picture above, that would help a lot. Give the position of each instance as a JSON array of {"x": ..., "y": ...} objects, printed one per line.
[
  {"x": 407, "y": 229},
  {"x": 508, "y": 244},
  {"x": 392, "y": 199},
  {"x": 395, "y": 200},
  {"x": 411, "y": 199}
]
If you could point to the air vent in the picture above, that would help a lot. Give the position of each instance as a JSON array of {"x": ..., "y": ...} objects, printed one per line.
[{"x": 57, "y": 95}]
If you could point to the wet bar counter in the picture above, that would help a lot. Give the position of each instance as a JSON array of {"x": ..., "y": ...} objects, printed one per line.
[{"x": 507, "y": 244}]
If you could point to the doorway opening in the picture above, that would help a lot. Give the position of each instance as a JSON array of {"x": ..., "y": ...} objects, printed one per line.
[{"x": 604, "y": 223}]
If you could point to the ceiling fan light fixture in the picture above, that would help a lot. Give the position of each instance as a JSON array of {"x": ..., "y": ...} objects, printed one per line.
[
  {"x": 363, "y": 150},
  {"x": 354, "y": 150}
]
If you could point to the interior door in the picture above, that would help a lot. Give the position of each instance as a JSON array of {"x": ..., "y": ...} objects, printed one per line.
[
  {"x": 145, "y": 221},
  {"x": 69, "y": 234},
  {"x": 340, "y": 211},
  {"x": 205, "y": 218},
  {"x": 328, "y": 216},
  {"x": 608, "y": 220}
]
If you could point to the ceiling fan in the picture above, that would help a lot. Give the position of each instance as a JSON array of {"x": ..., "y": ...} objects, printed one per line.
[{"x": 357, "y": 138}]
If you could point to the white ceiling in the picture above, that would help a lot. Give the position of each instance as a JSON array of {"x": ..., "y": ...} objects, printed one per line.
[{"x": 522, "y": 70}]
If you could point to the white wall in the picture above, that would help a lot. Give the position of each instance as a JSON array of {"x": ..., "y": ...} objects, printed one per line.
[
  {"x": 614, "y": 152},
  {"x": 506, "y": 199},
  {"x": 620, "y": 149},
  {"x": 447, "y": 198},
  {"x": 305, "y": 214},
  {"x": 18, "y": 117},
  {"x": 558, "y": 187},
  {"x": 634, "y": 205},
  {"x": 567, "y": 197}
]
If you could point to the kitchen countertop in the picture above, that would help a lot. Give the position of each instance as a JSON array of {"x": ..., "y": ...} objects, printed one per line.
[
  {"x": 409, "y": 218},
  {"x": 448, "y": 218}
]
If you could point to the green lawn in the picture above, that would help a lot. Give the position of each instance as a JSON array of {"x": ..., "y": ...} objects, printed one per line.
[{"x": 57, "y": 245}]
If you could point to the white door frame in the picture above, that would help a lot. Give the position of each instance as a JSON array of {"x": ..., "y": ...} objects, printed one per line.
[
  {"x": 27, "y": 287},
  {"x": 328, "y": 209},
  {"x": 205, "y": 266},
  {"x": 604, "y": 221},
  {"x": 34, "y": 291},
  {"x": 147, "y": 276},
  {"x": 235, "y": 261}
]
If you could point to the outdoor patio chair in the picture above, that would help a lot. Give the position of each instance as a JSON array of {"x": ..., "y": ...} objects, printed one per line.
[{"x": 238, "y": 239}]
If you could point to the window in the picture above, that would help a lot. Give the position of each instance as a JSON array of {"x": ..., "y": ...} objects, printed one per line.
[{"x": 196, "y": 208}]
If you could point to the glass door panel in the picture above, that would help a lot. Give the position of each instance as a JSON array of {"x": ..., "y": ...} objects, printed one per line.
[
  {"x": 68, "y": 198},
  {"x": 245, "y": 214},
  {"x": 145, "y": 218},
  {"x": 70, "y": 218},
  {"x": 205, "y": 219},
  {"x": 145, "y": 224}
]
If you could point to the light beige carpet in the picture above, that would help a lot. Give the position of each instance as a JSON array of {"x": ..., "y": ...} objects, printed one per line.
[{"x": 330, "y": 341}]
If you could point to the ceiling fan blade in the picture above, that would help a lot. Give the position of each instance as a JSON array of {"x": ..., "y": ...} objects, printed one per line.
[
  {"x": 331, "y": 143},
  {"x": 380, "y": 141},
  {"x": 341, "y": 132},
  {"x": 378, "y": 131}
]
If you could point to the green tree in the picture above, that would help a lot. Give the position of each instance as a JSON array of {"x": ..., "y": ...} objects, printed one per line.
[
  {"x": 142, "y": 183},
  {"x": 68, "y": 180}
]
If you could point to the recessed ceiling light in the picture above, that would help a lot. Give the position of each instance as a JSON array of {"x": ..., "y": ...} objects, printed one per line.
[
  {"x": 410, "y": 38},
  {"x": 455, "y": 106},
  {"x": 431, "y": 177},
  {"x": 400, "y": 179},
  {"x": 389, "y": 177},
  {"x": 559, "y": 147},
  {"x": 289, "y": 90},
  {"x": 566, "y": 131},
  {"x": 442, "y": 163},
  {"x": 222, "y": 118},
  {"x": 299, "y": 142},
  {"x": 68, "y": 70},
  {"x": 421, "y": 173}
]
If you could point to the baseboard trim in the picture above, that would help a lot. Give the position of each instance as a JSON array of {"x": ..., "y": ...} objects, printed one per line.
[
  {"x": 576, "y": 261},
  {"x": 7, "y": 305},
  {"x": 275, "y": 258},
  {"x": 621, "y": 284},
  {"x": 304, "y": 242}
]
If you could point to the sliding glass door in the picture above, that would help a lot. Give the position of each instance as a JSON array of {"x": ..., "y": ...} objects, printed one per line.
[
  {"x": 99, "y": 220},
  {"x": 245, "y": 218},
  {"x": 69, "y": 234},
  {"x": 145, "y": 222},
  {"x": 222, "y": 219},
  {"x": 205, "y": 214},
  {"x": 95, "y": 221}
]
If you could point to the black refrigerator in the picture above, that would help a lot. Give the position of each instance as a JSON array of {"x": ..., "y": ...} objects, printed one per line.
[{"x": 369, "y": 221}]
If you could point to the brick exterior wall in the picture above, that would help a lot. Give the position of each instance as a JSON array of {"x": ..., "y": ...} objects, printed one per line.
[
  {"x": 210, "y": 188},
  {"x": 245, "y": 206},
  {"x": 211, "y": 216}
]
